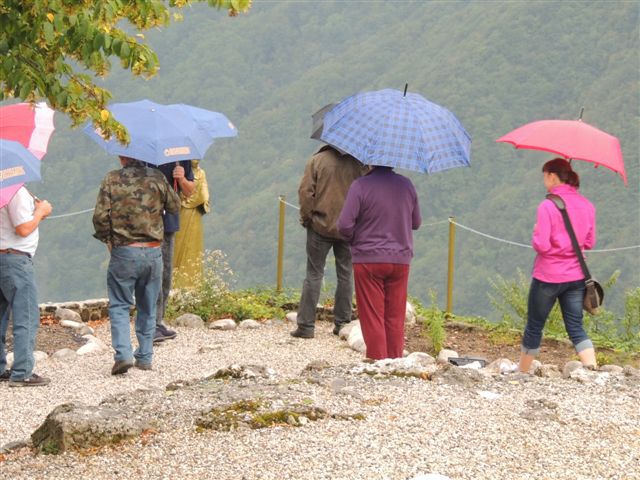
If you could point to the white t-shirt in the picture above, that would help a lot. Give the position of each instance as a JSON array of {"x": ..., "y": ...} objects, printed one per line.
[{"x": 18, "y": 211}]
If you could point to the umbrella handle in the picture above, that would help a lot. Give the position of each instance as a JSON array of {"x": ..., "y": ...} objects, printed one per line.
[
  {"x": 175, "y": 180},
  {"x": 406, "y": 85}
]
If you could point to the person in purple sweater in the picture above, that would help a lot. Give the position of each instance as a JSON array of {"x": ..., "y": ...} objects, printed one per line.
[
  {"x": 377, "y": 219},
  {"x": 556, "y": 270}
]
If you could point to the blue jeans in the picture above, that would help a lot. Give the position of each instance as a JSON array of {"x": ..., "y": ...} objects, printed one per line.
[
  {"x": 18, "y": 294},
  {"x": 318, "y": 247},
  {"x": 133, "y": 270},
  {"x": 542, "y": 297}
]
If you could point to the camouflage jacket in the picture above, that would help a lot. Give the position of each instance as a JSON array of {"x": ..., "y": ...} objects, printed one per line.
[{"x": 130, "y": 205}]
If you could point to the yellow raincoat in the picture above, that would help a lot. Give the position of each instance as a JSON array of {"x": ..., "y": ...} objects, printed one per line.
[{"x": 189, "y": 246}]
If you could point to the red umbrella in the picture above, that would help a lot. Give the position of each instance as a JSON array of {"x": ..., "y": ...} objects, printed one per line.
[
  {"x": 573, "y": 139},
  {"x": 30, "y": 125}
]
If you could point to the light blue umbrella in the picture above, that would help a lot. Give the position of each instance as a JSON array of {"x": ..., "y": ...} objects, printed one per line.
[
  {"x": 17, "y": 166},
  {"x": 164, "y": 133},
  {"x": 389, "y": 128}
]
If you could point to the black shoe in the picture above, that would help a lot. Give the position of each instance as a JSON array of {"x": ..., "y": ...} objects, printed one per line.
[
  {"x": 5, "y": 376},
  {"x": 33, "y": 381},
  {"x": 142, "y": 365},
  {"x": 163, "y": 333},
  {"x": 301, "y": 334},
  {"x": 121, "y": 366}
]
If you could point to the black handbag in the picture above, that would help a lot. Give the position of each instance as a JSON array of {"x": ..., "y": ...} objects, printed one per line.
[{"x": 593, "y": 294}]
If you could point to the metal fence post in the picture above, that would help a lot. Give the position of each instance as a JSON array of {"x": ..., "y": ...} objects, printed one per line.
[
  {"x": 280, "y": 244},
  {"x": 452, "y": 240}
]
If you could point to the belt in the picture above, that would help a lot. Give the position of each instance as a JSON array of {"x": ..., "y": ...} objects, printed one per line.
[
  {"x": 15, "y": 252},
  {"x": 145, "y": 244}
]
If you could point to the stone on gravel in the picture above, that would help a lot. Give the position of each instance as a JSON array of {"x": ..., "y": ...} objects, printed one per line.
[
  {"x": 570, "y": 367},
  {"x": 39, "y": 356},
  {"x": 16, "y": 445},
  {"x": 410, "y": 315},
  {"x": 291, "y": 317},
  {"x": 65, "y": 355},
  {"x": 346, "y": 330},
  {"x": 443, "y": 356},
  {"x": 548, "y": 371},
  {"x": 243, "y": 371},
  {"x": 452, "y": 375},
  {"x": 249, "y": 324},
  {"x": 501, "y": 365},
  {"x": 72, "y": 324},
  {"x": 611, "y": 369},
  {"x": 224, "y": 324},
  {"x": 189, "y": 320},
  {"x": 67, "y": 314},
  {"x": 74, "y": 426},
  {"x": 630, "y": 371}
]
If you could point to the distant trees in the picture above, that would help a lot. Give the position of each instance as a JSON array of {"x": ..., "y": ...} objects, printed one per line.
[{"x": 48, "y": 46}]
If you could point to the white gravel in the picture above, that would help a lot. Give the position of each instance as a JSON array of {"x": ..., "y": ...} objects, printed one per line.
[{"x": 537, "y": 429}]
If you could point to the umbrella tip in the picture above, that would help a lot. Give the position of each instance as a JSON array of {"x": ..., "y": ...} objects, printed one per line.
[
  {"x": 406, "y": 85},
  {"x": 581, "y": 112}
]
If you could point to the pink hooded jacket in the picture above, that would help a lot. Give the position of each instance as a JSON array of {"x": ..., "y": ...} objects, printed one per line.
[{"x": 556, "y": 261}]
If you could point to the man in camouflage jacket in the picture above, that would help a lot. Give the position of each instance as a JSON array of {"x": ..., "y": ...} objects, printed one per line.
[{"x": 128, "y": 218}]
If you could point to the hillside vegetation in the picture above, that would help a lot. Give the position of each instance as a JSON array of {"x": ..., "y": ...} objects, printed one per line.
[{"x": 496, "y": 65}]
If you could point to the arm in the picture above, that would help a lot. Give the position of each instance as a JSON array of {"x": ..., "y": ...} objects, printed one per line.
[
  {"x": 42, "y": 210},
  {"x": 346, "y": 223},
  {"x": 416, "y": 218},
  {"x": 102, "y": 214},
  {"x": 171, "y": 198},
  {"x": 590, "y": 240},
  {"x": 541, "y": 240},
  {"x": 306, "y": 193},
  {"x": 187, "y": 187}
]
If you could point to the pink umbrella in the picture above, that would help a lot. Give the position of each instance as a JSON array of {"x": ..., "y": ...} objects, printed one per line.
[
  {"x": 30, "y": 125},
  {"x": 572, "y": 139}
]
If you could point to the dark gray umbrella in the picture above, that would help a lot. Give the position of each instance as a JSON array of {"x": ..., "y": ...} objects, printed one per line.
[{"x": 317, "y": 121}]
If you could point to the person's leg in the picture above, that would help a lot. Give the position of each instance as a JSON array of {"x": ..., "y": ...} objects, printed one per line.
[
  {"x": 542, "y": 296},
  {"x": 20, "y": 288},
  {"x": 147, "y": 287},
  {"x": 395, "y": 309},
  {"x": 571, "y": 305},
  {"x": 168, "y": 244},
  {"x": 121, "y": 279},
  {"x": 369, "y": 282},
  {"x": 317, "y": 250},
  {"x": 344, "y": 288},
  {"x": 5, "y": 304}
]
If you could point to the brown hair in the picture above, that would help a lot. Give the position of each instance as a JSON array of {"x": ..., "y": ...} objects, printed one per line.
[{"x": 562, "y": 168}]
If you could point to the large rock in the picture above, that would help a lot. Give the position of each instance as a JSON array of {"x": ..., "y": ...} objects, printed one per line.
[
  {"x": 73, "y": 426},
  {"x": 570, "y": 367},
  {"x": 464, "y": 377},
  {"x": 65, "y": 355},
  {"x": 346, "y": 329},
  {"x": 443, "y": 356},
  {"x": 224, "y": 324},
  {"x": 189, "y": 320},
  {"x": 249, "y": 324},
  {"x": 67, "y": 314},
  {"x": 356, "y": 340}
]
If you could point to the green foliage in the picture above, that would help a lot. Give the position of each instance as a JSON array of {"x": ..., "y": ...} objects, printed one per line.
[
  {"x": 433, "y": 320},
  {"x": 605, "y": 329},
  {"x": 46, "y": 45},
  {"x": 213, "y": 298}
]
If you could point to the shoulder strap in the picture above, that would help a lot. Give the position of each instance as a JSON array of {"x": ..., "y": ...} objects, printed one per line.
[{"x": 557, "y": 200}]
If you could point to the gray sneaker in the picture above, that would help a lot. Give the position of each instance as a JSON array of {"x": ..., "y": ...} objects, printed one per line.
[
  {"x": 142, "y": 365},
  {"x": 33, "y": 381}
]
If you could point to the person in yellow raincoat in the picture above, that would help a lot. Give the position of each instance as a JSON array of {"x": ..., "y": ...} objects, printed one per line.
[{"x": 189, "y": 247}]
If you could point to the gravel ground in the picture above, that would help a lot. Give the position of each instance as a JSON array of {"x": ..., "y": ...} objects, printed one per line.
[{"x": 535, "y": 429}]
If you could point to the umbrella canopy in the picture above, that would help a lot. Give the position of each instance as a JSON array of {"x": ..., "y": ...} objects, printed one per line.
[
  {"x": 572, "y": 139},
  {"x": 17, "y": 166},
  {"x": 164, "y": 133},
  {"x": 31, "y": 125},
  {"x": 388, "y": 128}
]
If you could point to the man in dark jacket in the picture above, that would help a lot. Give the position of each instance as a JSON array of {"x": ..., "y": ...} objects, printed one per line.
[
  {"x": 128, "y": 218},
  {"x": 323, "y": 188}
]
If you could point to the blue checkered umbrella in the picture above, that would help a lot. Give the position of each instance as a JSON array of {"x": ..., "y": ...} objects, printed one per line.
[{"x": 391, "y": 129}]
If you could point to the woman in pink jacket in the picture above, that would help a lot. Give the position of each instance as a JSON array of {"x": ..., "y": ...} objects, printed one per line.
[{"x": 556, "y": 269}]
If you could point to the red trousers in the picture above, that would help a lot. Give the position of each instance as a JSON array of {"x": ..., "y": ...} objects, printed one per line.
[{"x": 381, "y": 295}]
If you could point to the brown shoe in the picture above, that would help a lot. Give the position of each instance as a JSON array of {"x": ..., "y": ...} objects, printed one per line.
[
  {"x": 33, "y": 381},
  {"x": 121, "y": 366}
]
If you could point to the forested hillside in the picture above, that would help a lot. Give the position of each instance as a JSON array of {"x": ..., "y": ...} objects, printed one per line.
[{"x": 496, "y": 65}]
